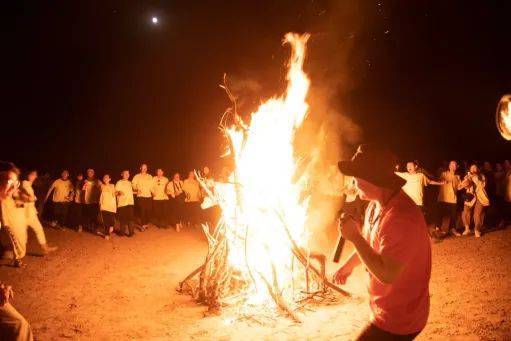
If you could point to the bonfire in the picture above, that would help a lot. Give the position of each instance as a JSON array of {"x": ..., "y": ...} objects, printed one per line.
[{"x": 258, "y": 252}]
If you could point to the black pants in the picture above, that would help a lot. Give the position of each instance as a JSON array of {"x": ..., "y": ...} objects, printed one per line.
[
  {"x": 176, "y": 207},
  {"x": 60, "y": 210},
  {"x": 192, "y": 212},
  {"x": 126, "y": 218},
  {"x": 90, "y": 215},
  {"x": 373, "y": 333},
  {"x": 144, "y": 207},
  {"x": 107, "y": 220},
  {"x": 77, "y": 214},
  {"x": 447, "y": 210},
  {"x": 160, "y": 208},
  {"x": 506, "y": 212}
]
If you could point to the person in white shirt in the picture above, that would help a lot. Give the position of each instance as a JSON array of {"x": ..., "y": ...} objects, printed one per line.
[
  {"x": 176, "y": 201},
  {"x": 415, "y": 183},
  {"x": 447, "y": 200},
  {"x": 160, "y": 199},
  {"x": 13, "y": 326},
  {"x": 28, "y": 195},
  {"x": 91, "y": 192},
  {"x": 62, "y": 190},
  {"x": 125, "y": 204},
  {"x": 193, "y": 193},
  {"x": 107, "y": 206},
  {"x": 476, "y": 200},
  {"x": 142, "y": 184}
]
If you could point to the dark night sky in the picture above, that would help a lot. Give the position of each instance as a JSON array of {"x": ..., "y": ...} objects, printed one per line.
[{"x": 93, "y": 83}]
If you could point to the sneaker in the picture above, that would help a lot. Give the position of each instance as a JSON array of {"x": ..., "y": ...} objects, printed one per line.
[
  {"x": 454, "y": 232},
  {"x": 466, "y": 232},
  {"x": 80, "y": 228},
  {"x": 107, "y": 237},
  {"x": 477, "y": 234},
  {"x": 53, "y": 224}
]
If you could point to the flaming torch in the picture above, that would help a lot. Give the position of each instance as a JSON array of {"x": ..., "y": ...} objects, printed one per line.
[
  {"x": 503, "y": 117},
  {"x": 258, "y": 251}
]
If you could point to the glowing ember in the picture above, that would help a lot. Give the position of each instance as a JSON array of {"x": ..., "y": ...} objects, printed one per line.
[
  {"x": 504, "y": 117},
  {"x": 267, "y": 197}
]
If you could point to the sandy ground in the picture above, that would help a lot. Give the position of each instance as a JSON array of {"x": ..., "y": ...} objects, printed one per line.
[{"x": 124, "y": 289}]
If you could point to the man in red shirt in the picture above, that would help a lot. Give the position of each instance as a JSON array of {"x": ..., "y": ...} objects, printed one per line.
[{"x": 394, "y": 246}]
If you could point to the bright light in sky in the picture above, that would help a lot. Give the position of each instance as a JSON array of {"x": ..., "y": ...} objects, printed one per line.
[{"x": 154, "y": 20}]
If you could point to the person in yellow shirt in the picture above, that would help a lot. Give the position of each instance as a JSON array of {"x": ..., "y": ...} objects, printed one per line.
[
  {"x": 27, "y": 194},
  {"x": 160, "y": 199},
  {"x": 13, "y": 217},
  {"x": 142, "y": 184},
  {"x": 176, "y": 201},
  {"x": 193, "y": 193},
  {"x": 62, "y": 190},
  {"x": 107, "y": 206},
  {"x": 91, "y": 192},
  {"x": 13, "y": 326},
  {"x": 125, "y": 204}
]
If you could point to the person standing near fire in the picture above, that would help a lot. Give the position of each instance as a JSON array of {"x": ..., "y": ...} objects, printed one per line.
[
  {"x": 13, "y": 217},
  {"x": 62, "y": 190},
  {"x": 415, "y": 183},
  {"x": 448, "y": 199},
  {"x": 27, "y": 194},
  {"x": 92, "y": 191},
  {"x": 142, "y": 184},
  {"x": 392, "y": 243},
  {"x": 160, "y": 199},
  {"x": 107, "y": 206},
  {"x": 193, "y": 194},
  {"x": 176, "y": 201},
  {"x": 125, "y": 204},
  {"x": 476, "y": 200}
]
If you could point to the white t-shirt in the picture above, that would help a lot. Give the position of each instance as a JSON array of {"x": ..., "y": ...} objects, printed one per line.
[
  {"x": 142, "y": 183},
  {"x": 414, "y": 186},
  {"x": 447, "y": 191},
  {"x": 62, "y": 189},
  {"x": 159, "y": 188},
  {"x": 126, "y": 198},
  {"x": 107, "y": 200}
]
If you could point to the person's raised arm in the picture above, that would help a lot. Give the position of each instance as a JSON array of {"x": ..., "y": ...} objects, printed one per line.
[{"x": 52, "y": 187}]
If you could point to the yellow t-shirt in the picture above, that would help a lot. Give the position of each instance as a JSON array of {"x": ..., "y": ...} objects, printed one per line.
[
  {"x": 126, "y": 198},
  {"x": 159, "y": 188},
  {"x": 447, "y": 191},
  {"x": 107, "y": 201},
  {"x": 62, "y": 190},
  {"x": 192, "y": 190},
  {"x": 142, "y": 184}
]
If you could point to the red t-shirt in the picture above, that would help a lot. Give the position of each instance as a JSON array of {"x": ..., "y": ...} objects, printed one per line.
[{"x": 403, "y": 306}]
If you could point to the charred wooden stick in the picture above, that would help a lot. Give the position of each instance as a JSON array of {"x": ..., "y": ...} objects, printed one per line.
[
  {"x": 279, "y": 300},
  {"x": 190, "y": 276}
]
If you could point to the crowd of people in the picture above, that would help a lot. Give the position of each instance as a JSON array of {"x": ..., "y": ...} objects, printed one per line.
[
  {"x": 101, "y": 206},
  {"x": 470, "y": 197}
]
